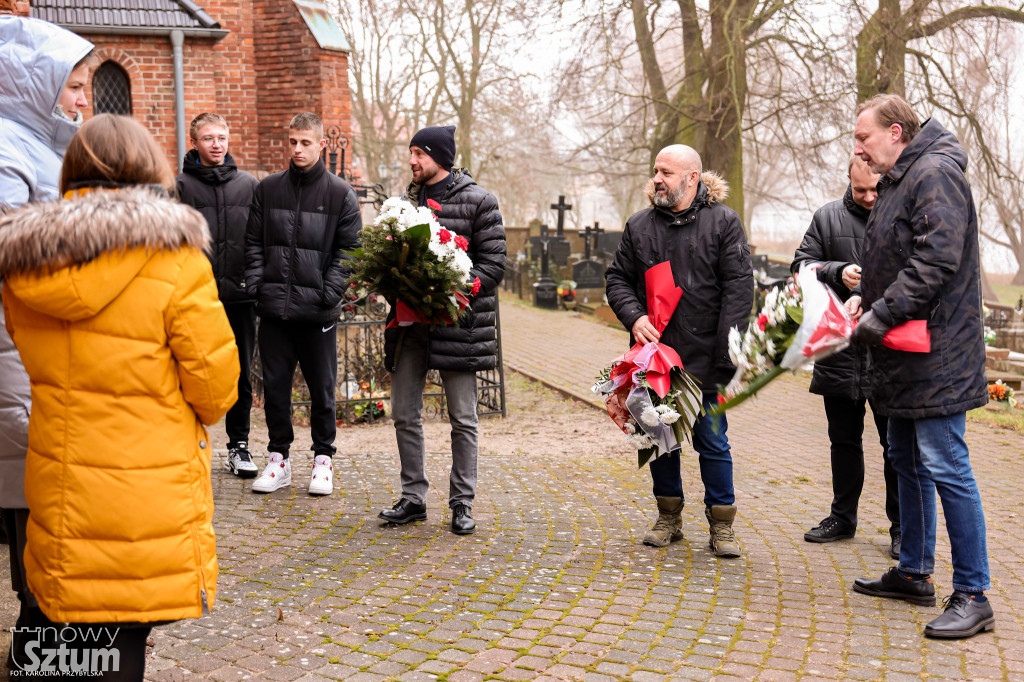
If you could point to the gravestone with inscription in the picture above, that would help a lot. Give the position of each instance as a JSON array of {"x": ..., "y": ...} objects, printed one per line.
[
  {"x": 589, "y": 272},
  {"x": 545, "y": 291}
]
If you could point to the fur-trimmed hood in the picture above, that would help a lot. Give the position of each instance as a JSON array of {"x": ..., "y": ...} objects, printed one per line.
[
  {"x": 73, "y": 232},
  {"x": 716, "y": 186},
  {"x": 69, "y": 258}
]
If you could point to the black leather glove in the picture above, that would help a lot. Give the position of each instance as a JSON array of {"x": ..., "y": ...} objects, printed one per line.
[{"x": 869, "y": 331}]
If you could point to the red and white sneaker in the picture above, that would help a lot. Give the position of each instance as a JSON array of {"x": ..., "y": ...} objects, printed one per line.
[
  {"x": 277, "y": 475},
  {"x": 322, "y": 480}
]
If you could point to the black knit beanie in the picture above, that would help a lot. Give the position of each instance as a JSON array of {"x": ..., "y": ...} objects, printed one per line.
[{"x": 439, "y": 144}]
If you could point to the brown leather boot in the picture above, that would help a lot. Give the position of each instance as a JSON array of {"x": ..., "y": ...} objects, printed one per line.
[
  {"x": 669, "y": 524},
  {"x": 723, "y": 539}
]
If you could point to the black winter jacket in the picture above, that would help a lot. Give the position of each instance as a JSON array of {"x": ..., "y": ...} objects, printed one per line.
[
  {"x": 300, "y": 225},
  {"x": 469, "y": 210},
  {"x": 922, "y": 263},
  {"x": 834, "y": 241},
  {"x": 710, "y": 261},
  {"x": 223, "y": 194}
]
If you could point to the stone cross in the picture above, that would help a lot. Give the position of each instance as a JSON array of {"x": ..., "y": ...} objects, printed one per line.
[
  {"x": 561, "y": 207},
  {"x": 587, "y": 234}
]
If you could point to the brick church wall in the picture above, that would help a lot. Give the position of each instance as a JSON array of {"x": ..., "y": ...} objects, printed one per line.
[
  {"x": 293, "y": 74},
  {"x": 266, "y": 69}
]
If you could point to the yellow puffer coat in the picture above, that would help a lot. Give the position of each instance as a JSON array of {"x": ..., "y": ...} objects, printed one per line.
[{"x": 114, "y": 309}]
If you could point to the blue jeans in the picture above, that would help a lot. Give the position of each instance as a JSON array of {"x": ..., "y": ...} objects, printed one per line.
[
  {"x": 712, "y": 446},
  {"x": 930, "y": 455}
]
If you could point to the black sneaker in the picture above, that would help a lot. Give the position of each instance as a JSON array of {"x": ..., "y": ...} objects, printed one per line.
[
  {"x": 963, "y": 617},
  {"x": 462, "y": 520},
  {"x": 829, "y": 530},
  {"x": 240, "y": 462},
  {"x": 894, "y": 586}
]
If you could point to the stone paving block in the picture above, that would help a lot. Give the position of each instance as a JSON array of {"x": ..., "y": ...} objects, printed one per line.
[{"x": 556, "y": 583}]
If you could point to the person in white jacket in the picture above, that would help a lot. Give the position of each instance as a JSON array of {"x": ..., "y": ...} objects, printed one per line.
[{"x": 43, "y": 74}]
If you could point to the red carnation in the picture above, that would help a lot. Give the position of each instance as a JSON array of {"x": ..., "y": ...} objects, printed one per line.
[
  {"x": 444, "y": 236},
  {"x": 762, "y": 321},
  {"x": 476, "y": 287},
  {"x": 461, "y": 242},
  {"x": 434, "y": 206},
  {"x": 721, "y": 399}
]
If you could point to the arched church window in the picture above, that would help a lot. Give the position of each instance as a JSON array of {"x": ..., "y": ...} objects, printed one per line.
[{"x": 111, "y": 90}]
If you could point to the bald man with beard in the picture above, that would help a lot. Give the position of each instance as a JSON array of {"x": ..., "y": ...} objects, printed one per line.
[{"x": 688, "y": 225}]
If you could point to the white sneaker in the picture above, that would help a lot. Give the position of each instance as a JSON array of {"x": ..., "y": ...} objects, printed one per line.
[
  {"x": 277, "y": 475},
  {"x": 322, "y": 480}
]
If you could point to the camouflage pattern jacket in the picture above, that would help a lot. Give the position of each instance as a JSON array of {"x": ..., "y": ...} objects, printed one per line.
[{"x": 922, "y": 263}]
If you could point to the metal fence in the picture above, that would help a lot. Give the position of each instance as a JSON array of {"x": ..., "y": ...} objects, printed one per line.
[{"x": 363, "y": 377}]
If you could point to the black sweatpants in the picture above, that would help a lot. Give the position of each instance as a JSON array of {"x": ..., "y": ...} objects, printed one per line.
[
  {"x": 314, "y": 347},
  {"x": 242, "y": 317},
  {"x": 846, "y": 431}
]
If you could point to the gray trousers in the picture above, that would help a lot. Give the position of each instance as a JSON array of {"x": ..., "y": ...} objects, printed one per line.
[{"x": 407, "y": 383}]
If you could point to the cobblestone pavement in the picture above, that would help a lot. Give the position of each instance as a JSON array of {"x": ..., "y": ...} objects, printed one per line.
[{"x": 555, "y": 583}]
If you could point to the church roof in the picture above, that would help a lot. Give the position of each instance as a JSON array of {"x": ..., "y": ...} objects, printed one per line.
[{"x": 134, "y": 14}]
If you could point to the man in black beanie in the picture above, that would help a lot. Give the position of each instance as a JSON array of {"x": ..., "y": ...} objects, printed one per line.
[{"x": 471, "y": 212}]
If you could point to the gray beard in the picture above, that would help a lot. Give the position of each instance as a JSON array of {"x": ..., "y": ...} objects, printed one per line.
[{"x": 669, "y": 199}]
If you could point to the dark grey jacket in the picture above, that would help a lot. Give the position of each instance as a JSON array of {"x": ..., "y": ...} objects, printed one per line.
[
  {"x": 469, "y": 210},
  {"x": 710, "y": 261},
  {"x": 922, "y": 263},
  {"x": 223, "y": 194},
  {"x": 834, "y": 241},
  {"x": 300, "y": 225}
]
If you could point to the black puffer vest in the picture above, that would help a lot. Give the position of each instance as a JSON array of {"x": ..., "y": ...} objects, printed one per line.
[{"x": 469, "y": 210}]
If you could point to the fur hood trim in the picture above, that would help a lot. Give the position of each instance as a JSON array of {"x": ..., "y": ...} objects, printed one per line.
[
  {"x": 718, "y": 188},
  {"x": 73, "y": 232}
]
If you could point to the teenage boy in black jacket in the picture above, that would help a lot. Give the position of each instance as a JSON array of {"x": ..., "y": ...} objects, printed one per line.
[
  {"x": 211, "y": 183},
  {"x": 302, "y": 221}
]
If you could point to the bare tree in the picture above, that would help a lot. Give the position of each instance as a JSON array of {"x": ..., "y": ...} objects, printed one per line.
[
  {"x": 387, "y": 77},
  {"x": 965, "y": 78},
  {"x": 472, "y": 47},
  {"x": 885, "y": 41},
  {"x": 696, "y": 66}
]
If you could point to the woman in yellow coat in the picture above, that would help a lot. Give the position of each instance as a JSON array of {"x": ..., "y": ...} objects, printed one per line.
[{"x": 114, "y": 310}]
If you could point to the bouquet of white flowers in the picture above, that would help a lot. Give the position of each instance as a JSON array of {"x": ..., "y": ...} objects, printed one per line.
[{"x": 407, "y": 257}]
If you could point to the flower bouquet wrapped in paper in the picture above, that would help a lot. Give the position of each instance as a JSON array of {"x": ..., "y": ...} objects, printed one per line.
[
  {"x": 647, "y": 392},
  {"x": 800, "y": 322},
  {"x": 411, "y": 260}
]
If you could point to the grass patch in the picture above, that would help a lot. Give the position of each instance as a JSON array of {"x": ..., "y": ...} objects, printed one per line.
[
  {"x": 1000, "y": 417},
  {"x": 1008, "y": 293}
]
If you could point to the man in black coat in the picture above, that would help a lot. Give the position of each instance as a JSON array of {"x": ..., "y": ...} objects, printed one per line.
[
  {"x": 469, "y": 211},
  {"x": 833, "y": 245},
  {"x": 922, "y": 263},
  {"x": 211, "y": 183},
  {"x": 703, "y": 239},
  {"x": 302, "y": 222}
]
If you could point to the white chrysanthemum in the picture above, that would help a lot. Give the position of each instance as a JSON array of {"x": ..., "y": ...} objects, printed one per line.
[
  {"x": 629, "y": 428},
  {"x": 463, "y": 262},
  {"x": 670, "y": 417},
  {"x": 770, "y": 347},
  {"x": 650, "y": 416},
  {"x": 735, "y": 344},
  {"x": 663, "y": 408}
]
